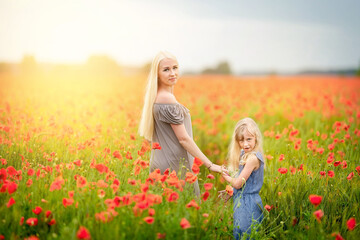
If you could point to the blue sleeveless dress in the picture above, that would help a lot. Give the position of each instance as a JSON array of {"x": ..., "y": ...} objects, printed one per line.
[{"x": 248, "y": 207}]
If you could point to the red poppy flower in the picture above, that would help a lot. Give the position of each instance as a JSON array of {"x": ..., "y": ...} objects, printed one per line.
[
  {"x": 101, "y": 168},
  {"x": 10, "y": 202},
  {"x": 331, "y": 173},
  {"x": 52, "y": 222},
  {"x": 320, "y": 150},
  {"x": 132, "y": 181},
  {"x": 144, "y": 187},
  {"x": 282, "y": 170},
  {"x": 11, "y": 170},
  {"x": 161, "y": 235},
  {"x": 331, "y": 146},
  {"x": 350, "y": 176},
  {"x": 322, "y": 173},
  {"x": 83, "y": 233},
  {"x": 71, "y": 194},
  {"x": 190, "y": 177},
  {"x": 57, "y": 184},
  {"x": 132, "y": 137},
  {"x": 197, "y": 161},
  {"x": 81, "y": 182},
  {"x": 267, "y": 207},
  {"x": 229, "y": 190},
  {"x": 337, "y": 236},
  {"x": 32, "y": 221},
  {"x": 151, "y": 211},
  {"x": 210, "y": 176},
  {"x": 351, "y": 224},
  {"x": 344, "y": 164},
  {"x": 37, "y": 210},
  {"x": 315, "y": 199},
  {"x": 208, "y": 186},
  {"x": 77, "y": 162},
  {"x": 205, "y": 195},
  {"x": 358, "y": 169},
  {"x": 195, "y": 168},
  {"x": 117, "y": 155},
  {"x": 184, "y": 224},
  {"x": 21, "y": 221},
  {"x": 156, "y": 145},
  {"x": 48, "y": 213},
  {"x": 30, "y": 172},
  {"x": 149, "y": 220},
  {"x": 337, "y": 163},
  {"x": 67, "y": 201},
  {"x": 173, "y": 197},
  {"x": 29, "y": 182},
  {"x": 192, "y": 203},
  {"x": 128, "y": 155},
  {"x": 281, "y": 157},
  {"x": 3, "y": 174},
  {"x": 318, "y": 215}
]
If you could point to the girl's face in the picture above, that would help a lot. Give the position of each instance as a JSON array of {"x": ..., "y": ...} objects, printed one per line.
[
  {"x": 248, "y": 142},
  {"x": 168, "y": 72}
]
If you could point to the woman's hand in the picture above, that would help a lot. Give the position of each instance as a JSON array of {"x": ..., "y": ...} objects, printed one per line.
[
  {"x": 215, "y": 168},
  {"x": 219, "y": 169},
  {"x": 223, "y": 195}
]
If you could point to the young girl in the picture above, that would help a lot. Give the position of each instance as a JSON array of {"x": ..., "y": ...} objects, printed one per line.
[{"x": 245, "y": 154}]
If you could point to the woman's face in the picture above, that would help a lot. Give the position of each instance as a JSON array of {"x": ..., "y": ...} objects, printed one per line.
[{"x": 168, "y": 72}]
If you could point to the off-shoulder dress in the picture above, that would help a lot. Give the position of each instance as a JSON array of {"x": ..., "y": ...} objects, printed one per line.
[{"x": 172, "y": 154}]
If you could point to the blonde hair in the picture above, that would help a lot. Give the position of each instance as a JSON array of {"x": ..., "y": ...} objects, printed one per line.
[
  {"x": 243, "y": 126},
  {"x": 146, "y": 127}
]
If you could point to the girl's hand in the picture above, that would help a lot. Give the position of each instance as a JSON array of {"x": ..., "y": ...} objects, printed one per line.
[
  {"x": 223, "y": 195},
  {"x": 224, "y": 171}
]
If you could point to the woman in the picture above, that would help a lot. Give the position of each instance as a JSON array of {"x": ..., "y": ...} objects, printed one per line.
[{"x": 167, "y": 122}]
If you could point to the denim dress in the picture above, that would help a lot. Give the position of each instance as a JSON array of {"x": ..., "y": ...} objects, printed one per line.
[{"x": 248, "y": 207}]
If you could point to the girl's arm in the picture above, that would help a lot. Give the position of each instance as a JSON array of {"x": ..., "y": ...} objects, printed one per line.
[
  {"x": 188, "y": 143},
  {"x": 252, "y": 163}
]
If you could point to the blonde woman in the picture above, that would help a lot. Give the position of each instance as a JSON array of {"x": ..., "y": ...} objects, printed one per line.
[
  {"x": 167, "y": 122},
  {"x": 246, "y": 156}
]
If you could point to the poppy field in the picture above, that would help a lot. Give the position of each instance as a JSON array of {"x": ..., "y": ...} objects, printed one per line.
[{"x": 72, "y": 165}]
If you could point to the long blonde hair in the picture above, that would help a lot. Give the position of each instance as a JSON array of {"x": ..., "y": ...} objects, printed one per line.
[
  {"x": 146, "y": 127},
  {"x": 243, "y": 126}
]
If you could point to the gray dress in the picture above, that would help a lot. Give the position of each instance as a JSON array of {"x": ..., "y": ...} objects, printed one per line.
[{"x": 172, "y": 155}]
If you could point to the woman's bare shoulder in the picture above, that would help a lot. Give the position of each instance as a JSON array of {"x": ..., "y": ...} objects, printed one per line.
[{"x": 165, "y": 97}]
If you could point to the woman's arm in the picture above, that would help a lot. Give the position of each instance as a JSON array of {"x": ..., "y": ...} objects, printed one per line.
[
  {"x": 252, "y": 163},
  {"x": 188, "y": 143}
]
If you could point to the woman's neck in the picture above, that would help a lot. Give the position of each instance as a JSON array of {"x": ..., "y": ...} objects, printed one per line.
[{"x": 169, "y": 89}]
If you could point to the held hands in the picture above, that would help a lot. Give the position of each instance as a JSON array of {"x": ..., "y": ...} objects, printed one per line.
[
  {"x": 219, "y": 169},
  {"x": 224, "y": 196}
]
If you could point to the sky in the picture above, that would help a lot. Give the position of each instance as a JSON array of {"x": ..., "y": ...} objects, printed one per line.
[{"x": 256, "y": 35}]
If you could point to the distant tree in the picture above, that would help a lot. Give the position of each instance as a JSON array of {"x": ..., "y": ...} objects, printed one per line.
[
  {"x": 102, "y": 64},
  {"x": 4, "y": 67},
  {"x": 146, "y": 68},
  {"x": 222, "y": 68},
  {"x": 28, "y": 64},
  {"x": 358, "y": 71}
]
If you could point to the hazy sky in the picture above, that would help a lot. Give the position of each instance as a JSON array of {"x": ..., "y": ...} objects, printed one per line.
[{"x": 276, "y": 35}]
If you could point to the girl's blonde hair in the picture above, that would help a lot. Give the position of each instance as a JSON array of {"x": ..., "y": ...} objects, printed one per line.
[
  {"x": 243, "y": 126},
  {"x": 146, "y": 127}
]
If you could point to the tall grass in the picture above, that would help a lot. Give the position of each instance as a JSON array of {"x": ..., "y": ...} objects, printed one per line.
[{"x": 49, "y": 122}]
